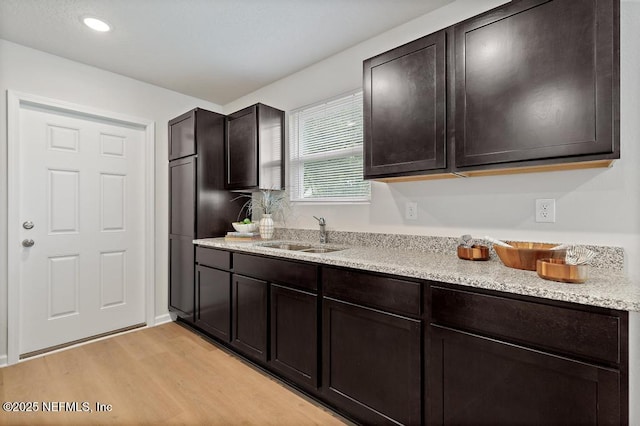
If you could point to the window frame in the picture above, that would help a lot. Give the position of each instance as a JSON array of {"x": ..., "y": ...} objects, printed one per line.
[{"x": 295, "y": 163}]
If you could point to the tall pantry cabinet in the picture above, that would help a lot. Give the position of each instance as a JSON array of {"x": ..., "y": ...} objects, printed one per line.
[{"x": 199, "y": 206}]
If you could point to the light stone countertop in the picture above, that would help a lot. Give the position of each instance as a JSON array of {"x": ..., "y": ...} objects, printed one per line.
[{"x": 604, "y": 288}]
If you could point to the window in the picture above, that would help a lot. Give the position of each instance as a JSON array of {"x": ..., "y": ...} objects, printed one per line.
[{"x": 326, "y": 151}]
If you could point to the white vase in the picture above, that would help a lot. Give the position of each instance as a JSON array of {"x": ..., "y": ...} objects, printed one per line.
[{"x": 266, "y": 227}]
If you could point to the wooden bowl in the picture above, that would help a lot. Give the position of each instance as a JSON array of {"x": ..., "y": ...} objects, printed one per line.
[
  {"x": 524, "y": 255},
  {"x": 473, "y": 253},
  {"x": 558, "y": 270}
]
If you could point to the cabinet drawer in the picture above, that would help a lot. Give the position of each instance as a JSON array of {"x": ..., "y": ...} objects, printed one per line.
[
  {"x": 301, "y": 275},
  {"x": 213, "y": 258},
  {"x": 390, "y": 294},
  {"x": 589, "y": 335}
]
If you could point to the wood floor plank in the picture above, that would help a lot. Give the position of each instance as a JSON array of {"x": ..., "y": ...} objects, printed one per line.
[{"x": 153, "y": 376}]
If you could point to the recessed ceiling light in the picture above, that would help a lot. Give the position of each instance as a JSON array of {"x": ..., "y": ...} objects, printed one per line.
[{"x": 96, "y": 24}]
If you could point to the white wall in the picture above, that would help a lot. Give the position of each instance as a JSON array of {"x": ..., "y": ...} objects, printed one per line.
[
  {"x": 600, "y": 206},
  {"x": 34, "y": 72}
]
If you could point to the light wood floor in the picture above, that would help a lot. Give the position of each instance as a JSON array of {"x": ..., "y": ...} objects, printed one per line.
[{"x": 159, "y": 375}]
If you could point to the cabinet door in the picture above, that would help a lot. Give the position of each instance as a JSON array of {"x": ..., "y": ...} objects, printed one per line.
[
  {"x": 216, "y": 208},
  {"x": 182, "y": 197},
  {"x": 476, "y": 380},
  {"x": 537, "y": 79},
  {"x": 182, "y": 140},
  {"x": 250, "y": 317},
  {"x": 371, "y": 363},
  {"x": 242, "y": 149},
  {"x": 181, "y": 276},
  {"x": 213, "y": 295},
  {"x": 294, "y": 334},
  {"x": 405, "y": 109}
]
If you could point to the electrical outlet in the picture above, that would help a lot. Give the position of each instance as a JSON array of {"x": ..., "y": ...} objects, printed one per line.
[
  {"x": 546, "y": 210},
  {"x": 411, "y": 210}
]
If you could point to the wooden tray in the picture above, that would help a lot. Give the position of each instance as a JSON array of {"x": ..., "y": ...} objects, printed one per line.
[
  {"x": 558, "y": 270},
  {"x": 473, "y": 252}
]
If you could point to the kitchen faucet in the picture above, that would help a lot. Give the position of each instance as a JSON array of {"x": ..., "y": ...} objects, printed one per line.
[{"x": 323, "y": 229}]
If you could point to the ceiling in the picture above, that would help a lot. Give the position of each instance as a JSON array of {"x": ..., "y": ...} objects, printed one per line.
[{"x": 218, "y": 50}]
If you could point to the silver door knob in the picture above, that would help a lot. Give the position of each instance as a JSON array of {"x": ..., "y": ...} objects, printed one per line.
[
  {"x": 28, "y": 225},
  {"x": 28, "y": 243}
]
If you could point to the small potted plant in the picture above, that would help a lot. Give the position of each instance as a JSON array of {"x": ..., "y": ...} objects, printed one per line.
[{"x": 272, "y": 204}]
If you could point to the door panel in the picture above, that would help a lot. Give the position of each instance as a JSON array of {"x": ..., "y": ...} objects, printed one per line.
[
  {"x": 63, "y": 201},
  {"x": 112, "y": 202},
  {"x": 82, "y": 185},
  {"x": 63, "y": 286},
  {"x": 113, "y": 282}
]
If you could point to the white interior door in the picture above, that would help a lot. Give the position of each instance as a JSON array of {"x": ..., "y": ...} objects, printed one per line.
[{"x": 81, "y": 185}]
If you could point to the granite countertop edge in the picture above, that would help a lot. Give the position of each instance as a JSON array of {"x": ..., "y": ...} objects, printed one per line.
[{"x": 604, "y": 288}]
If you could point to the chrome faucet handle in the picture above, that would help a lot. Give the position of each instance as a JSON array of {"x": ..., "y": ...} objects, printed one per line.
[{"x": 321, "y": 220}]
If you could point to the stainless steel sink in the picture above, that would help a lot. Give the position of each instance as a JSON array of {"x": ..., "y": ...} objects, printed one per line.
[
  {"x": 320, "y": 250},
  {"x": 300, "y": 247},
  {"x": 287, "y": 246}
]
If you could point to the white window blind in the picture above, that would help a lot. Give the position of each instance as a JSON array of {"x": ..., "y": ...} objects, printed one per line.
[{"x": 326, "y": 151}]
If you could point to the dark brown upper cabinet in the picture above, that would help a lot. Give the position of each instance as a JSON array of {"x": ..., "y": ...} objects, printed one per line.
[
  {"x": 405, "y": 109},
  {"x": 255, "y": 148},
  {"x": 537, "y": 82},
  {"x": 531, "y": 85},
  {"x": 182, "y": 139}
]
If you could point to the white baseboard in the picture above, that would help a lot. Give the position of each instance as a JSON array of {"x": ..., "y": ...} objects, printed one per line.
[
  {"x": 164, "y": 318},
  {"x": 3, "y": 360}
]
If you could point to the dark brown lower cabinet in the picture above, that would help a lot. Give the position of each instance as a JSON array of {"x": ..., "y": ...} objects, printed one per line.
[
  {"x": 371, "y": 363},
  {"x": 382, "y": 349},
  {"x": 181, "y": 272},
  {"x": 294, "y": 335},
  {"x": 213, "y": 299},
  {"x": 475, "y": 380},
  {"x": 249, "y": 325}
]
